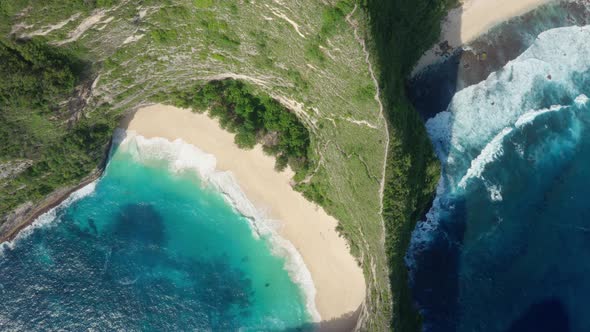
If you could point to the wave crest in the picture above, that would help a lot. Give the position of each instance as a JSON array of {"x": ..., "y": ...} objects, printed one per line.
[{"x": 470, "y": 134}]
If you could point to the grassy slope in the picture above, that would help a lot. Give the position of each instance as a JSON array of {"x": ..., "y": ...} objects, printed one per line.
[{"x": 401, "y": 30}]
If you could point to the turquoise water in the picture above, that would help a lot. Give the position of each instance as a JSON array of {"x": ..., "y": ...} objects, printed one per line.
[
  {"x": 506, "y": 245},
  {"x": 149, "y": 250}
]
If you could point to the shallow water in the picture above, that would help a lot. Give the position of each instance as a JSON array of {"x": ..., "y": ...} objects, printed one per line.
[
  {"x": 506, "y": 244},
  {"x": 148, "y": 249}
]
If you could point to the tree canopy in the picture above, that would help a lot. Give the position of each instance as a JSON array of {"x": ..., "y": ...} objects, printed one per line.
[{"x": 253, "y": 118}]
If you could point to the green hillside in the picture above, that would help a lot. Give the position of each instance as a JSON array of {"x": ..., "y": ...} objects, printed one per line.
[{"x": 76, "y": 67}]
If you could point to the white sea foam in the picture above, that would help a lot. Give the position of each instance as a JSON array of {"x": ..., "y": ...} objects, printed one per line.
[
  {"x": 581, "y": 100},
  {"x": 491, "y": 151},
  {"x": 50, "y": 216},
  {"x": 530, "y": 116},
  {"x": 182, "y": 156},
  {"x": 494, "y": 148},
  {"x": 470, "y": 133},
  {"x": 440, "y": 129},
  {"x": 477, "y": 113},
  {"x": 466, "y": 136},
  {"x": 495, "y": 193},
  {"x": 423, "y": 233}
]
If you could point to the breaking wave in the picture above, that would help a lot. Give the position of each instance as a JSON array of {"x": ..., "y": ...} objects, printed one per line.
[{"x": 50, "y": 216}]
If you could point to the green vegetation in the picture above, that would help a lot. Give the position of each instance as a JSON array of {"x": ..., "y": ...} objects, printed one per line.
[
  {"x": 333, "y": 17},
  {"x": 218, "y": 33},
  {"x": 333, "y": 20},
  {"x": 303, "y": 52},
  {"x": 35, "y": 75},
  {"x": 36, "y": 79},
  {"x": 162, "y": 36},
  {"x": 51, "y": 9},
  {"x": 253, "y": 118},
  {"x": 203, "y": 3},
  {"x": 401, "y": 30}
]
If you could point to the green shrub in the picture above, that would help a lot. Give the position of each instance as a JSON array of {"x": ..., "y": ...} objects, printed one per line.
[
  {"x": 203, "y": 3},
  {"x": 162, "y": 36},
  {"x": 254, "y": 119}
]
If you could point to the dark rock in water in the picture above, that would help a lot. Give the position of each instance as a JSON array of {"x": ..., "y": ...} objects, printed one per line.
[
  {"x": 445, "y": 48},
  {"x": 549, "y": 77},
  {"x": 267, "y": 284}
]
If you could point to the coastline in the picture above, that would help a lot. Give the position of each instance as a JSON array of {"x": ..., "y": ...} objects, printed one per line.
[
  {"x": 471, "y": 20},
  {"x": 26, "y": 214},
  {"x": 305, "y": 225},
  {"x": 54, "y": 199}
]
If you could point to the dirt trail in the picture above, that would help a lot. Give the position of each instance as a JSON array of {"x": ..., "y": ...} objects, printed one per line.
[
  {"x": 363, "y": 315},
  {"x": 47, "y": 29},
  {"x": 286, "y": 18},
  {"x": 381, "y": 111},
  {"x": 86, "y": 24},
  {"x": 223, "y": 76}
]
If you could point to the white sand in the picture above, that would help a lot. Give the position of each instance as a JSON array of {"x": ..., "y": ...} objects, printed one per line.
[
  {"x": 474, "y": 18},
  {"x": 338, "y": 279}
]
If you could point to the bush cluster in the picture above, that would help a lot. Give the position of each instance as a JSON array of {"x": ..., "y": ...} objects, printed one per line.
[{"x": 253, "y": 118}]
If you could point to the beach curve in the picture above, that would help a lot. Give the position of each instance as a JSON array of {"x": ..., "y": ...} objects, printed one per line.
[{"x": 338, "y": 279}]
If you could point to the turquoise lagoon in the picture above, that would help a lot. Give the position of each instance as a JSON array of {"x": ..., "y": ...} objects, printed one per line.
[{"x": 153, "y": 246}]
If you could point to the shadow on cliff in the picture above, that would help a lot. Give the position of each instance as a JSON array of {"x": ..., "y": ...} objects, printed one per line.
[{"x": 402, "y": 30}]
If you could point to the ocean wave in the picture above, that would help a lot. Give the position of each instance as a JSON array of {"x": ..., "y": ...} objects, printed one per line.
[
  {"x": 495, "y": 193},
  {"x": 50, "y": 216},
  {"x": 493, "y": 149},
  {"x": 440, "y": 129},
  {"x": 423, "y": 233},
  {"x": 182, "y": 156},
  {"x": 529, "y": 117},
  {"x": 547, "y": 73},
  {"x": 581, "y": 100},
  {"x": 489, "y": 153},
  {"x": 528, "y": 114},
  {"x": 548, "y": 77}
]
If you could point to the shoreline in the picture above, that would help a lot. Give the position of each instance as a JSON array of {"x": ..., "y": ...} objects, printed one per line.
[
  {"x": 182, "y": 157},
  {"x": 26, "y": 214},
  {"x": 471, "y": 20},
  {"x": 52, "y": 201},
  {"x": 306, "y": 226}
]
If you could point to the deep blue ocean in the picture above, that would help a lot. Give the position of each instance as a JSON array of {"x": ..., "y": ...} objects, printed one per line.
[
  {"x": 151, "y": 249},
  {"x": 506, "y": 245}
]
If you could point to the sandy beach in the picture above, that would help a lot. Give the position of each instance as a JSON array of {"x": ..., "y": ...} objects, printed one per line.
[
  {"x": 472, "y": 19},
  {"x": 338, "y": 280}
]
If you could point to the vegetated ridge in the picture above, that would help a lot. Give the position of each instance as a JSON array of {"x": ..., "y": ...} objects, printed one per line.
[{"x": 400, "y": 31}]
